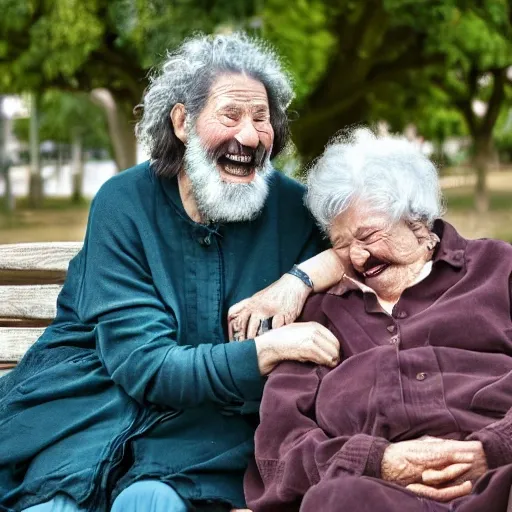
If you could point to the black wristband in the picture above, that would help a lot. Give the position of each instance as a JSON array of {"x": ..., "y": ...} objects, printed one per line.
[{"x": 297, "y": 272}]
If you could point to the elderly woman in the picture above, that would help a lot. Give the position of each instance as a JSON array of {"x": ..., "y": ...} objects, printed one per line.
[{"x": 416, "y": 417}]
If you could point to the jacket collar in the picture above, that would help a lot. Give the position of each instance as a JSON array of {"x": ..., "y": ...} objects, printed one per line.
[{"x": 451, "y": 249}]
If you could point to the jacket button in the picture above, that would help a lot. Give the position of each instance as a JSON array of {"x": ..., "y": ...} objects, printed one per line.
[
  {"x": 421, "y": 376},
  {"x": 204, "y": 241},
  {"x": 394, "y": 340},
  {"x": 391, "y": 328},
  {"x": 402, "y": 314}
]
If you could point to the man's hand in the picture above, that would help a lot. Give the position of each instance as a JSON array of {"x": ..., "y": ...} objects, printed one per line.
[
  {"x": 282, "y": 300},
  {"x": 308, "y": 341}
]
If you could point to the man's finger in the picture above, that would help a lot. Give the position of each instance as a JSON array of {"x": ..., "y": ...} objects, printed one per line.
[
  {"x": 436, "y": 477},
  {"x": 331, "y": 350},
  {"x": 329, "y": 338},
  {"x": 442, "y": 494}
]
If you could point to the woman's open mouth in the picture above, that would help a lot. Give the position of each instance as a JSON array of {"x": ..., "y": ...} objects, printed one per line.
[{"x": 375, "y": 270}]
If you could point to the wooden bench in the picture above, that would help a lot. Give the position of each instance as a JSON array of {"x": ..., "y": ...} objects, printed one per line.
[{"x": 31, "y": 277}]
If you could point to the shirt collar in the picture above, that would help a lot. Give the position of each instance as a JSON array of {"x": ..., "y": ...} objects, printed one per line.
[{"x": 450, "y": 249}]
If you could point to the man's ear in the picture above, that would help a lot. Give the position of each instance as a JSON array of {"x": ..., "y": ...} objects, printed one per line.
[{"x": 178, "y": 117}]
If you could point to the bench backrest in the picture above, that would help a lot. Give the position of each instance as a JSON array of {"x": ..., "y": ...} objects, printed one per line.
[{"x": 31, "y": 277}]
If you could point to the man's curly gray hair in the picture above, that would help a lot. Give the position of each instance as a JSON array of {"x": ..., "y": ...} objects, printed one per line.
[
  {"x": 388, "y": 174},
  {"x": 186, "y": 77}
]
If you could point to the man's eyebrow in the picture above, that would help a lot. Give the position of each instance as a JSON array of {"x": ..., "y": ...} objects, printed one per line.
[{"x": 230, "y": 107}]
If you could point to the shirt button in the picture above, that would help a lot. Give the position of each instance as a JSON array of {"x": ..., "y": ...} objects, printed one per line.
[
  {"x": 421, "y": 376},
  {"x": 391, "y": 328},
  {"x": 205, "y": 242},
  {"x": 394, "y": 340}
]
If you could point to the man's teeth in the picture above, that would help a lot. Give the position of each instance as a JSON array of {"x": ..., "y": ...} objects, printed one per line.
[
  {"x": 245, "y": 159},
  {"x": 237, "y": 171}
]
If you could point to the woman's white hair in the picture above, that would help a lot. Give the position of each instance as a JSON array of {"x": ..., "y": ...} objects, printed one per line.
[{"x": 388, "y": 174}]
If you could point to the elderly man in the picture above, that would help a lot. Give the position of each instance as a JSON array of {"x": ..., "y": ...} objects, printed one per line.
[{"x": 131, "y": 399}]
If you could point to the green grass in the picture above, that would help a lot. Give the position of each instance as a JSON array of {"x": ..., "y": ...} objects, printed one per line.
[
  {"x": 462, "y": 198},
  {"x": 53, "y": 203}
]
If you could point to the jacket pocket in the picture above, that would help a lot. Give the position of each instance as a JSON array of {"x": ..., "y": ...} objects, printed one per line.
[{"x": 496, "y": 396}]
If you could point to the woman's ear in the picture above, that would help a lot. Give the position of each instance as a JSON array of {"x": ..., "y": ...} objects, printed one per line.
[
  {"x": 433, "y": 241},
  {"x": 178, "y": 119}
]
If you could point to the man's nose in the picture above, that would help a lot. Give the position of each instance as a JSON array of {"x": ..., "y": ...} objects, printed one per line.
[
  {"x": 248, "y": 135},
  {"x": 358, "y": 257}
]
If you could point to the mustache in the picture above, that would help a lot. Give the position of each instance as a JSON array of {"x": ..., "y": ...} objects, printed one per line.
[{"x": 233, "y": 147}]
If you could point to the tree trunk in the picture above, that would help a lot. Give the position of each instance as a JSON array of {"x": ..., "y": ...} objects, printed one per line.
[
  {"x": 311, "y": 133},
  {"x": 36, "y": 180},
  {"x": 77, "y": 166},
  {"x": 5, "y": 163},
  {"x": 120, "y": 127},
  {"x": 483, "y": 152},
  {"x": 58, "y": 163}
]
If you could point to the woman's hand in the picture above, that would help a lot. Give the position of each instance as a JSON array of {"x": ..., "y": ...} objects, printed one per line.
[
  {"x": 439, "y": 469},
  {"x": 282, "y": 300},
  {"x": 308, "y": 341},
  {"x": 452, "y": 477}
]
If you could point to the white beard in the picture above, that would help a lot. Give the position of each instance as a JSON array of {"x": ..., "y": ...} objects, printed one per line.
[{"x": 218, "y": 201}]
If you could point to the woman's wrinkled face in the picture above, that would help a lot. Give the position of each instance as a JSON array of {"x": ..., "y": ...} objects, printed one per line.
[
  {"x": 234, "y": 127},
  {"x": 386, "y": 257}
]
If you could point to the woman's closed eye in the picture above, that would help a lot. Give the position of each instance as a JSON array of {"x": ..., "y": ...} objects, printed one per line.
[{"x": 368, "y": 239}]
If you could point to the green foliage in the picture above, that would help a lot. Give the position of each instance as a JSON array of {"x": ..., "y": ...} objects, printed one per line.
[
  {"x": 503, "y": 134},
  {"x": 300, "y": 30},
  {"x": 64, "y": 114},
  {"x": 421, "y": 61}
]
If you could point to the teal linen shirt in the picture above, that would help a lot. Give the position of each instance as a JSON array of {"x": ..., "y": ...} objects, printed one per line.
[{"x": 135, "y": 377}]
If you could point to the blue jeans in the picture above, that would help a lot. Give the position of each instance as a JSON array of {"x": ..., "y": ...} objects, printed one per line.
[{"x": 143, "y": 496}]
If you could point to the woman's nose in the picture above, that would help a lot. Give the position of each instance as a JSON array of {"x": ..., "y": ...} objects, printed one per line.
[
  {"x": 358, "y": 257},
  {"x": 248, "y": 135}
]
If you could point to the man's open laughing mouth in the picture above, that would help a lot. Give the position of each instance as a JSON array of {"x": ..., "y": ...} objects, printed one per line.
[
  {"x": 239, "y": 161},
  {"x": 237, "y": 164}
]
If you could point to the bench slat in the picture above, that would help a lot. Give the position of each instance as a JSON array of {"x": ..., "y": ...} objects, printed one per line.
[
  {"x": 38, "y": 301},
  {"x": 15, "y": 342},
  {"x": 36, "y": 262}
]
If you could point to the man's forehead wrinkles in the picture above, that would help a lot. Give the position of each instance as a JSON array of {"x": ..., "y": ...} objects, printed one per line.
[
  {"x": 241, "y": 103},
  {"x": 239, "y": 95}
]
